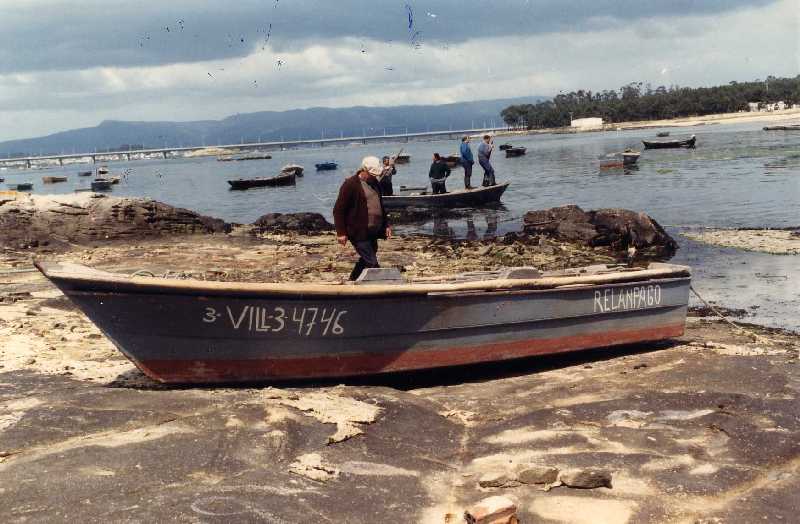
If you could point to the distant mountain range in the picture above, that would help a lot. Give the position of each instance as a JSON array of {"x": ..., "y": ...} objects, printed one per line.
[{"x": 267, "y": 126}]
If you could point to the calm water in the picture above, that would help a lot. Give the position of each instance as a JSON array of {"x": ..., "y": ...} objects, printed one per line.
[{"x": 739, "y": 176}]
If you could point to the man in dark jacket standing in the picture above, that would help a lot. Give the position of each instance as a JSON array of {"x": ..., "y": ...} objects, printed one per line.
[
  {"x": 438, "y": 174},
  {"x": 359, "y": 216}
]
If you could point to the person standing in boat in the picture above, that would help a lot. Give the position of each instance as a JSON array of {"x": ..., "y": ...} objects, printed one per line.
[
  {"x": 466, "y": 161},
  {"x": 385, "y": 179},
  {"x": 359, "y": 215},
  {"x": 484, "y": 155},
  {"x": 438, "y": 174}
]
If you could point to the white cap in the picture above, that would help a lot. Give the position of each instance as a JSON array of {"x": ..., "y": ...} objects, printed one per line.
[{"x": 372, "y": 165}]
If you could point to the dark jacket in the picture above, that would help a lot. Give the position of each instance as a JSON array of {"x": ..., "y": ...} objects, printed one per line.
[
  {"x": 350, "y": 215},
  {"x": 386, "y": 181},
  {"x": 439, "y": 171}
]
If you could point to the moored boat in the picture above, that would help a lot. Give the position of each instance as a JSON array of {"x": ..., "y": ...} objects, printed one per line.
[
  {"x": 285, "y": 179},
  {"x": 401, "y": 159},
  {"x": 503, "y": 147},
  {"x": 670, "y": 144},
  {"x": 84, "y": 173},
  {"x": 53, "y": 179},
  {"x": 102, "y": 170},
  {"x": 114, "y": 180},
  {"x": 625, "y": 159},
  {"x": 187, "y": 331},
  {"x": 459, "y": 198},
  {"x": 101, "y": 184},
  {"x": 452, "y": 161},
  {"x": 22, "y": 186},
  {"x": 662, "y": 134},
  {"x": 515, "y": 151},
  {"x": 326, "y": 166},
  {"x": 788, "y": 127},
  {"x": 290, "y": 169}
]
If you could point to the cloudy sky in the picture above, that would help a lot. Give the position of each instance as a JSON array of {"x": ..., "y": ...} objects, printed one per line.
[{"x": 66, "y": 64}]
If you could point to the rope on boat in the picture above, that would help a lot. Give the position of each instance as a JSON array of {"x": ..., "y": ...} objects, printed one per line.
[{"x": 729, "y": 321}]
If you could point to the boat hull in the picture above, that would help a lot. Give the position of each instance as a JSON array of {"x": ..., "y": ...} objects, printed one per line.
[
  {"x": 670, "y": 144},
  {"x": 178, "y": 335},
  {"x": 461, "y": 198},
  {"x": 276, "y": 181}
]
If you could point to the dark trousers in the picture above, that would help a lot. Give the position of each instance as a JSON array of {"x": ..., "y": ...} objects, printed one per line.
[
  {"x": 438, "y": 187},
  {"x": 368, "y": 255},
  {"x": 488, "y": 173},
  {"x": 467, "y": 173}
]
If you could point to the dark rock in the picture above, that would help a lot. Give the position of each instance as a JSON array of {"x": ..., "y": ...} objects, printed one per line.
[
  {"x": 585, "y": 478},
  {"x": 535, "y": 474},
  {"x": 298, "y": 222},
  {"x": 36, "y": 220},
  {"x": 616, "y": 229}
]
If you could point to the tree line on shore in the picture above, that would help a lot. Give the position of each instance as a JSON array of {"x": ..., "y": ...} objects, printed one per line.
[{"x": 638, "y": 101}]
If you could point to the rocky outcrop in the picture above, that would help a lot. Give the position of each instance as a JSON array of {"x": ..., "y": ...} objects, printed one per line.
[
  {"x": 618, "y": 229},
  {"x": 298, "y": 222},
  {"x": 36, "y": 220}
]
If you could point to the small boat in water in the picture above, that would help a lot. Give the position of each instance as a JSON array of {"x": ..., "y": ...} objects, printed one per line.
[
  {"x": 627, "y": 158},
  {"x": 102, "y": 170},
  {"x": 503, "y": 147},
  {"x": 689, "y": 143},
  {"x": 286, "y": 179},
  {"x": 193, "y": 331},
  {"x": 452, "y": 161},
  {"x": 515, "y": 151},
  {"x": 53, "y": 179},
  {"x": 84, "y": 173},
  {"x": 662, "y": 134},
  {"x": 22, "y": 186},
  {"x": 459, "y": 198},
  {"x": 326, "y": 166},
  {"x": 114, "y": 180},
  {"x": 255, "y": 156},
  {"x": 402, "y": 159},
  {"x": 101, "y": 184},
  {"x": 292, "y": 169},
  {"x": 788, "y": 127}
]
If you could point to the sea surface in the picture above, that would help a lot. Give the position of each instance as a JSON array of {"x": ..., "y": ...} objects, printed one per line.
[{"x": 738, "y": 176}]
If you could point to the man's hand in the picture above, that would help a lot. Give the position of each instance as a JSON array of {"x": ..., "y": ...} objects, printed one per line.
[
  {"x": 342, "y": 239},
  {"x": 388, "y": 232}
]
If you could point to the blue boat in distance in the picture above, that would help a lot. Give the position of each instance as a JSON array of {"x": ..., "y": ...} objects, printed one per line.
[{"x": 327, "y": 166}]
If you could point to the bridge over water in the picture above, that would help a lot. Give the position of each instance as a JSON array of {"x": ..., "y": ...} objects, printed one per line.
[{"x": 168, "y": 152}]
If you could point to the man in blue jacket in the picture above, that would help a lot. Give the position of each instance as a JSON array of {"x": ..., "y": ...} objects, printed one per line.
[{"x": 466, "y": 161}]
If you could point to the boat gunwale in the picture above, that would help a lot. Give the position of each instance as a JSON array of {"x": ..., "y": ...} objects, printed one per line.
[
  {"x": 455, "y": 193},
  {"x": 85, "y": 275}
]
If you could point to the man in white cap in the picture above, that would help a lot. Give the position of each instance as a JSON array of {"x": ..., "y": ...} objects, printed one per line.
[{"x": 359, "y": 216}]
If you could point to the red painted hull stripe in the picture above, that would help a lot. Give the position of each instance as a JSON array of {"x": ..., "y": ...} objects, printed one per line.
[{"x": 363, "y": 364}]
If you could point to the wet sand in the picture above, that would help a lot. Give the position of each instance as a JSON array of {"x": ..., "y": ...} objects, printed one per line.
[{"x": 702, "y": 429}]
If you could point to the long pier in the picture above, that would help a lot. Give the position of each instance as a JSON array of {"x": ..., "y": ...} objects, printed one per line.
[{"x": 168, "y": 152}]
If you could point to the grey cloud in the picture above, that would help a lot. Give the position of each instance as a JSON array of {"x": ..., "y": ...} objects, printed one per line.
[{"x": 56, "y": 35}]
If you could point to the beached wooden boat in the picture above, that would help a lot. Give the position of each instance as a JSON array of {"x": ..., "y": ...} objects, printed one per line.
[
  {"x": 789, "y": 127},
  {"x": 515, "y": 151},
  {"x": 503, "y": 147},
  {"x": 187, "y": 331},
  {"x": 459, "y": 198},
  {"x": 287, "y": 179},
  {"x": 402, "y": 159},
  {"x": 101, "y": 184},
  {"x": 84, "y": 173},
  {"x": 292, "y": 169},
  {"x": 670, "y": 144},
  {"x": 326, "y": 166},
  {"x": 22, "y": 186},
  {"x": 53, "y": 179}
]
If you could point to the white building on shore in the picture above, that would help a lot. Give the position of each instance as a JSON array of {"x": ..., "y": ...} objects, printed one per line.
[{"x": 586, "y": 123}]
